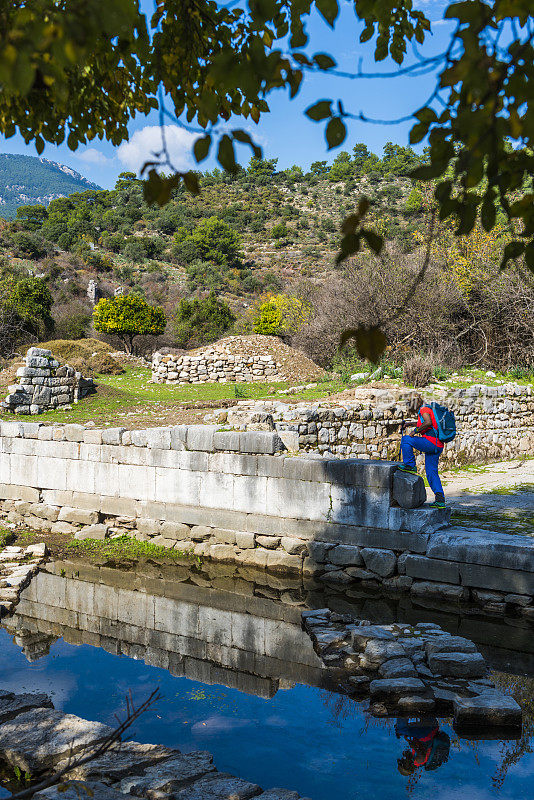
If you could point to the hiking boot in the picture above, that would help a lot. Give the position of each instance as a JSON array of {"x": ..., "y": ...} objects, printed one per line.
[
  {"x": 439, "y": 501},
  {"x": 406, "y": 468}
]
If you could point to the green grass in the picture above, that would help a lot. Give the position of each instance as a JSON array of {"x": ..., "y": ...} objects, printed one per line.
[
  {"x": 125, "y": 547},
  {"x": 130, "y": 398}
]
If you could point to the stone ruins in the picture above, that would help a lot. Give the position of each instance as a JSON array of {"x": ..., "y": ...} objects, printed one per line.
[{"x": 44, "y": 384}]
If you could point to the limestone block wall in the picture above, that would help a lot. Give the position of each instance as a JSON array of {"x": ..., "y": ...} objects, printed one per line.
[
  {"x": 237, "y": 497},
  {"x": 493, "y": 422},
  {"x": 214, "y": 366},
  {"x": 44, "y": 384}
]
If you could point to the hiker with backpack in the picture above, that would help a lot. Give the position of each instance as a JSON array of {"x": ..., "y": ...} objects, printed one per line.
[{"x": 435, "y": 425}]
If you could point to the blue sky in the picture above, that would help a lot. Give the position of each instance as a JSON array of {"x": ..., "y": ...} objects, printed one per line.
[{"x": 285, "y": 133}]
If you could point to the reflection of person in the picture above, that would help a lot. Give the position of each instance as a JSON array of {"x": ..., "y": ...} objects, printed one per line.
[{"x": 428, "y": 746}]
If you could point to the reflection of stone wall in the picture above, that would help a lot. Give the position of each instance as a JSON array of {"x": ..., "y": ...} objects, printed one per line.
[{"x": 249, "y": 643}]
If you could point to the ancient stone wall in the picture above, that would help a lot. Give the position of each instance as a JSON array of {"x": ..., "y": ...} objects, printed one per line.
[
  {"x": 44, "y": 384},
  {"x": 214, "y": 366},
  {"x": 493, "y": 422},
  {"x": 237, "y": 497}
]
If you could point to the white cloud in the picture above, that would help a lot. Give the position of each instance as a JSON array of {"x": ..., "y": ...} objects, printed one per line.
[
  {"x": 93, "y": 156},
  {"x": 145, "y": 143}
]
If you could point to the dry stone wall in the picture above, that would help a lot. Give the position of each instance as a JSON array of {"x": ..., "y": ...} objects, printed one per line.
[
  {"x": 237, "y": 497},
  {"x": 44, "y": 384},
  {"x": 214, "y": 366},
  {"x": 493, "y": 422}
]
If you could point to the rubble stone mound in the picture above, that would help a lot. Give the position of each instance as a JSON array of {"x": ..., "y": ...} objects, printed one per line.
[
  {"x": 236, "y": 359},
  {"x": 45, "y": 384}
]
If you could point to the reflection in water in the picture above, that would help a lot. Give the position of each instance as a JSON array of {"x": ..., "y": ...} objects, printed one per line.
[{"x": 221, "y": 658}]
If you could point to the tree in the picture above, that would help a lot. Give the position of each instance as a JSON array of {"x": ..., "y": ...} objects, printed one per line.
[
  {"x": 342, "y": 169},
  {"x": 30, "y": 299},
  {"x": 214, "y": 241},
  {"x": 32, "y": 217},
  {"x": 128, "y": 316},
  {"x": 279, "y": 314},
  {"x": 319, "y": 168},
  {"x": 201, "y": 320}
]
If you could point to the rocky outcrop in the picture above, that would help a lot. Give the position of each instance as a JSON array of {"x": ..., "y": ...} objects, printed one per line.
[{"x": 44, "y": 384}]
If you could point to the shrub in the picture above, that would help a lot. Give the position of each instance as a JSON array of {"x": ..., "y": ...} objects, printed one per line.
[
  {"x": 279, "y": 314},
  {"x": 201, "y": 320},
  {"x": 29, "y": 245},
  {"x": 279, "y": 231},
  {"x": 73, "y": 323},
  {"x": 417, "y": 371}
]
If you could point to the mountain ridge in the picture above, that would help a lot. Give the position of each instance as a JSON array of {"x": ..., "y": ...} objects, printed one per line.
[{"x": 33, "y": 180}]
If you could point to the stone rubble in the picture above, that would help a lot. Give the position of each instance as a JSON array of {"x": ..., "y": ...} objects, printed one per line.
[
  {"x": 410, "y": 669},
  {"x": 214, "y": 365},
  {"x": 44, "y": 384},
  {"x": 18, "y": 565},
  {"x": 42, "y": 740}
]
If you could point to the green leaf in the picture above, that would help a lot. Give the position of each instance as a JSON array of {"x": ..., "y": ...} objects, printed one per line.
[
  {"x": 226, "y": 154},
  {"x": 374, "y": 240},
  {"x": 201, "y": 148},
  {"x": 512, "y": 251},
  {"x": 324, "y": 61},
  {"x": 245, "y": 138},
  {"x": 336, "y": 132},
  {"x": 321, "y": 110},
  {"x": 191, "y": 182},
  {"x": 370, "y": 342},
  {"x": 367, "y": 32},
  {"x": 488, "y": 213},
  {"x": 39, "y": 144},
  {"x": 328, "y": 9},
  {"x": 72, "y": 141},
  {"x": 158, "y": 189},
  {"x": 418, "y": 132}
]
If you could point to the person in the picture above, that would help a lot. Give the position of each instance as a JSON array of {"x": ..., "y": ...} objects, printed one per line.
[
  {"x": 425, "y": 441},
  {"x": 428, "y": 746}
]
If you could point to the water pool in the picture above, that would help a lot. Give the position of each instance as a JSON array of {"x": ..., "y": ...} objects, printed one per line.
[{"x": 303, "y": 738}]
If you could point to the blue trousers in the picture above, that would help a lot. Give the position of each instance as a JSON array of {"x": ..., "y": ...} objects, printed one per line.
[{"x": 432, "y": 454}]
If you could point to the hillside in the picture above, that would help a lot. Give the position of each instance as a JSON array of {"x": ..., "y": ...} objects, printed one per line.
[
  {"x": 265, "y": 231},
  {"x": 28, "y": 180}
]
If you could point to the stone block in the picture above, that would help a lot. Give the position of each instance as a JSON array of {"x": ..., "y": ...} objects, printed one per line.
[
  {"x": 216, "y": 489},
  {"x": 319, "y": 551},
  {"x": 234, "y": 463},
  {"x": 391, "y": 689},
  {"x": 419, "y": 520},
  {"x": 111, "y": 436},
  {"x": 344, "y": 555},
  {"x": 250, "y": 494},
  {"x": 149, "y": 526},
  {"x": 178, "y": 437},
  {"x": 397, "y": 668},
  {"x": 138, "y": 438},
  {"x": 63, "y": 528},
  {"x": 503, "y": 580},
  {"x": 200, "y": 437},
  {"x": 30, "y": 430},
  {"x": 304, "y": 469},
  {"x": 138, "y": 482},
  {"x": 299, "y": 499},
  {"x": 294, "y": 547},
  {"x": 489, "y": 548},
  {"x": 266, "y": 442},
  {"x": 269, "y": 542},
  {"x": 382, "y": 562},
  {"x": 175, "y": 530},
  {"x": 227, "y": 440},
  {"x": 408, "y": 490},
  {"x": 244, "y": 540},
  {"x": 92, "y": 532},
  {"x": 457, "y": 665},
  {"x": 92, "y": 436},
  {"x": 358, "y": 505},
  {"x": 431, "y": 569},
  {"x": 490, "y": 708},
  {"x": 159, "y": 438},
  {"x": 74, "y": 433},
  {"x": 424, "y": 590}
]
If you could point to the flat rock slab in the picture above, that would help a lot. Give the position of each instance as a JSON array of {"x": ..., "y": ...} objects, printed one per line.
[
  {"x": 360, "y": 635},
  {"x": 130, "y": 758},
  {"x": 489, "y": 708},
  {"x": 93, "y": 790},
  {"x": 11, "y": 705},
  {"x": 219, "y": 787},
  {"x": 279, "y": 794},
  {"x": 479, "y": 546},
  {"x": 397, "y": 668},
  {"x": 37, "y": 740},
  {"x": 170, "y": 776},
  {"x": 449, "y": 644},
  {"x": 458, "y": 665},
  {"x": 393, "y": 688}
]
